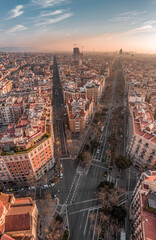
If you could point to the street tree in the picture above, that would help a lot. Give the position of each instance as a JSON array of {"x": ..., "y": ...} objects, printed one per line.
[
  {"x": 55, "y": 230},
  {"x": 110, "y": 215},
  {"x": 122, "y": 162}
]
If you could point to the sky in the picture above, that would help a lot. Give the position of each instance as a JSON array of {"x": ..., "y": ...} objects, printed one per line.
[{"x": 97, "y": 25}]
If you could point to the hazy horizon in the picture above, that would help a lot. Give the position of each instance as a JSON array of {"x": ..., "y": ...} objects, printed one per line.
[{"x": 56, "y": 25}]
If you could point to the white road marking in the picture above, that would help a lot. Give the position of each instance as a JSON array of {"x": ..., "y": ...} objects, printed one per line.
[
  {"x": 95, "y": 225},
  {"x": 71, "y": 187},
  {"x": 86, "y": 209},
  {"x": 99, "y": 166},
  {"x": 84, "y": 232},
  {"x": 96, "y": 160},
  {"x": 85, "y": 201},
  {"x": 75, "y": 189}
]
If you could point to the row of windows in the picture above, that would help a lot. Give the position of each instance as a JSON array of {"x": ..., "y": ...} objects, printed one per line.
[
  {"x": 15, "y": 158},
  {"x": 39, "y": 148}
]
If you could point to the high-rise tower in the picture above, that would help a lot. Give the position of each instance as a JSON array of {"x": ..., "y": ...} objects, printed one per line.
[{"x": 76, "y": 56}]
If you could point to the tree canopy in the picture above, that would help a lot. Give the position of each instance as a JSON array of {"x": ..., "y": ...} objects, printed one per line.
[{"x": 122, "y": 162}]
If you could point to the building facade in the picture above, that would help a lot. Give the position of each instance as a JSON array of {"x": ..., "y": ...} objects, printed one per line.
[
  {"x": 142, "y": 136},
  {"x": 27, "y": 147},
  {"x": 26, "y": 165},
  {"x": 143, "y": 208},
  {"x": 79, "y": 113}
]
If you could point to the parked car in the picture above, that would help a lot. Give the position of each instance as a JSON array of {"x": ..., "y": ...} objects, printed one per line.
[
  {"x": 52, "y": 184},
  {"x": 44, "y": 186},
  {"x": 31, "y": 188},
  {"x": 61, "y": 175},
  {"x": 54, "y": 195}
]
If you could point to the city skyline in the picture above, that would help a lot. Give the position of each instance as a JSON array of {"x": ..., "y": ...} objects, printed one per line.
[{"x": 55, "y": 25}]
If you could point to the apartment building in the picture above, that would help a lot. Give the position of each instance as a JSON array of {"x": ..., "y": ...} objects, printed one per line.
[
  {"x": 143, "y": 208},
  {"x": 94, "y": 88},
  {"x": 72, "y": 93},
  {"x": 142, "y": 136},
  {"x": 29, "y": 164},
  {"x": 27, "y": 148},
  {"x": 5, "y": 86},
  {"x": 18, "y": 217},
  {"x": 6, "y": 113},
  {"x": 11, "y": 109},
  {"x": 79, "y": 113}
]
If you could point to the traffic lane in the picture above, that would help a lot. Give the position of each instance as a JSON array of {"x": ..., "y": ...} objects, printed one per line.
[
  {"x": 95, "y": 176},
  {"x": 69, "y": 171},
  {"x": 83, "y": 225},
  {"x": 80, "y": 225},
  {"x": 76, "y": 225},
  {"x": 89, "y": 183},
  {"x": 91, "y": 231},
  {"x": 131, "y": 180},
  {"x": 87, "y": 190},
  {"x": 84, "y": 205}
]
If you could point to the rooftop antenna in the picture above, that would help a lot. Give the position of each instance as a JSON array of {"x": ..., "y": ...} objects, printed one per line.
[{"x": 74, "y": 45}]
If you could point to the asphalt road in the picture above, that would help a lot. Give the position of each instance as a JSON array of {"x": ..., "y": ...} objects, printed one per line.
[
  {"x": 58, "y": 110},
  {"x": 77, "y": 192}
]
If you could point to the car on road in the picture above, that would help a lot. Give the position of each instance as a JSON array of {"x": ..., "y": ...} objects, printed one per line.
[
  {"x": 31, "y": 188},
  {"x": 51, "y": 185},
  {"x": 61, "y": 175},
  {"x": 98, "y": 150},
  {"x": 45, "y": 186},
  {"x": 105, "y": 174},
  {"x": 54, "y": 195}
]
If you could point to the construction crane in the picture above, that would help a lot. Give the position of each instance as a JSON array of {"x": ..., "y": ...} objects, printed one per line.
[{"x": 74, "y": 45}]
